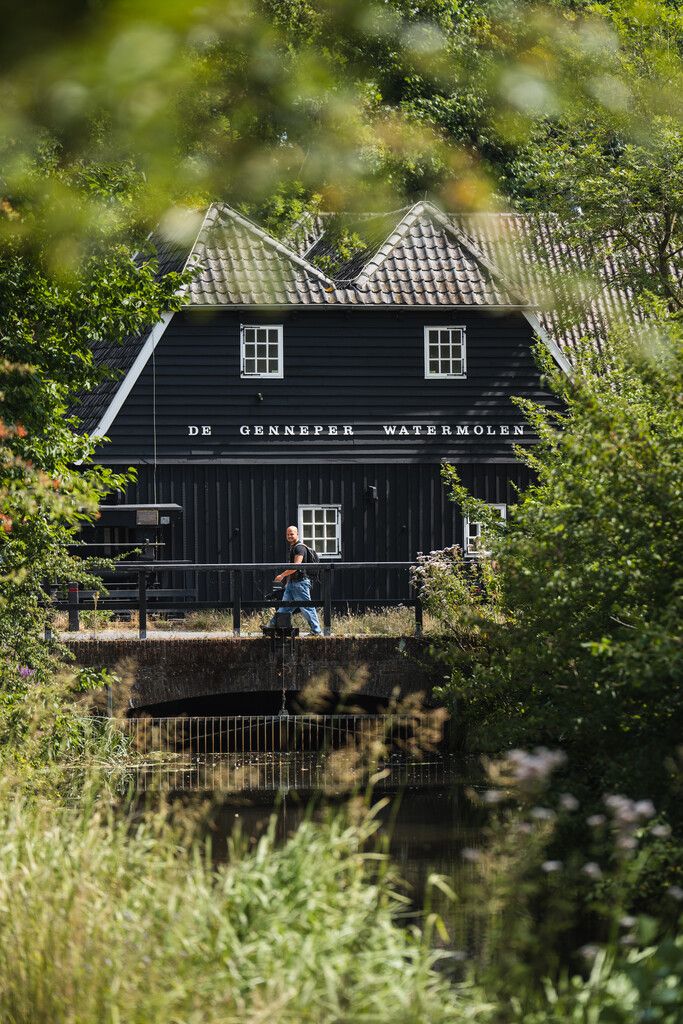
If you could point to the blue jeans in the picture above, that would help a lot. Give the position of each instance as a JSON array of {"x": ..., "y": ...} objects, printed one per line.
[{"x": 300, "y": 590}]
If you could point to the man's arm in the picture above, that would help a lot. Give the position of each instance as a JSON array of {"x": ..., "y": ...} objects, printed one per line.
[{"x": 298, "y": 559}]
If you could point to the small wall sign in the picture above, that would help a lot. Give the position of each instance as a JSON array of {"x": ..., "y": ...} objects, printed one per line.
[{"x": 397, "y": 430}]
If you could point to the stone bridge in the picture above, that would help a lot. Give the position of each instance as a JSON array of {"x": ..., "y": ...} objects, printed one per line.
[{"x": 169, "y": 668}]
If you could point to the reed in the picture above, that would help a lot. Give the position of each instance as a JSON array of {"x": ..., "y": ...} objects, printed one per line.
[{"x": 108, "y": 917}]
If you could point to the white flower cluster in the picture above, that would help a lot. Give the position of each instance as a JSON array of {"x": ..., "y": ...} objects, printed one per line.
[
  {"x": 532, "y": 770},
  {"x": 627, "y": 817},
  {"x": 433, "y": 563}
]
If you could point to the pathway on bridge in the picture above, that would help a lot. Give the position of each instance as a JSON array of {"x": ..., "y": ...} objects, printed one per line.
[{"x": 175, "y": 634}]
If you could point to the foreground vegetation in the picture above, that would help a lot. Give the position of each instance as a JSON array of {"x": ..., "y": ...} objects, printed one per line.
[
  {"x": 121, "y": 919},
  {"x": 113, "y": 911},
  {"x": 578, "y": 618}
]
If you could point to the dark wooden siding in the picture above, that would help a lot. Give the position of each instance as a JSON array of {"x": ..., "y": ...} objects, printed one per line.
[
  {"x": 239, "y": 513},
  {"x": 358, "y": 367}
]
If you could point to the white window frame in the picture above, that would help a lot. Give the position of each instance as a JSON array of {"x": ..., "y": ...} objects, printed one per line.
[
  {"x": 432, "y": 375},
  {"x": 503, "y": 509},
  {"x": 338, "y": 521},
  {"x": 280, "y": 356}
]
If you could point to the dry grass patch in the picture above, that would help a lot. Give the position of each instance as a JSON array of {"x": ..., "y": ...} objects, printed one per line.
[{"x": 394, "y": 621}]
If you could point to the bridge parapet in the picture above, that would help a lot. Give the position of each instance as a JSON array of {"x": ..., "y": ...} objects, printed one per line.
[{"x": 167, "y": 669}]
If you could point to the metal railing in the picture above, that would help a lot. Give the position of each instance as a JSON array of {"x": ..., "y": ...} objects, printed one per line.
[
  {"x": 217, "y": 735},
  {"x": 139, "y": 595}
]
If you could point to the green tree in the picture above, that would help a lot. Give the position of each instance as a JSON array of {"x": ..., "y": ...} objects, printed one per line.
[
  {"x": 582, "y": 644},
  {"x": 613, "y": 171},
  {"x": 48, "y": 324}
]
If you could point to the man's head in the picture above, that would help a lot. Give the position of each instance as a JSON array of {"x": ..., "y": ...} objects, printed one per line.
[{"x": 292, "y": 535}]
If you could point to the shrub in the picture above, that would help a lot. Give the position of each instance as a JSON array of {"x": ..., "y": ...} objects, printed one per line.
[{"x": 585, "y": 651}]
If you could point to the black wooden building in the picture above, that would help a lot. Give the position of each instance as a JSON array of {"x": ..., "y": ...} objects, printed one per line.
[{"x": 282, "y": 395}]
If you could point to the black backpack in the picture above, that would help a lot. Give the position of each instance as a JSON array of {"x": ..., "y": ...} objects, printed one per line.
[{"x": 311, "y": 555}]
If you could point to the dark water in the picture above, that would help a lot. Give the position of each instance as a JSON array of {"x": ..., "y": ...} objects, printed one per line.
[{"x": 428, "y": 820}]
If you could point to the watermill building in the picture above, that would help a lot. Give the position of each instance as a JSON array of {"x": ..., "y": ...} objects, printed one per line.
[{"x": 282, "y": 393}]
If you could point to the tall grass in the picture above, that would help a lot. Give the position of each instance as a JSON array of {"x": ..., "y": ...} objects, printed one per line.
[{"x": 107, "y": 919}]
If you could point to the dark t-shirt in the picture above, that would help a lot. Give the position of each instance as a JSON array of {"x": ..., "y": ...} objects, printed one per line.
[{"x": 299, "y": 549}]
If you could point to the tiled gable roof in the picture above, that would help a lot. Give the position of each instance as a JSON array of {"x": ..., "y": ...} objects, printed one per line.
[
  {"x": 240, "y": 264},
  {"x": 423, "y": 261},
  {"x": 418, "y": 256},
  {"x": 427, "y": 261}
]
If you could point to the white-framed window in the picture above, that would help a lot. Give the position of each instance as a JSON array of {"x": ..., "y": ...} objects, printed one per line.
[
  {"x": 261, "y": 350},
  {"x": 445, "y": 352},
  {"x": 320, "y": 529},
  {"x": 472, "y": 531}
]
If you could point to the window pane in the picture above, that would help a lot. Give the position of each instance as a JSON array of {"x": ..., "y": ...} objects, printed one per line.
[
  {"x": 261, "y": 365},
  {"x": 272, "y": 351},
  {"x": 307, "y": 515},
  {"x": 249, "y": 334},
  {"x": 272, "y": 366},
  {"x": 250, "y": 366}
]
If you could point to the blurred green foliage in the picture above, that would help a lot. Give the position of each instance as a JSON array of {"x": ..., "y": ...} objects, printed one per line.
[
  {"x": 128, "y": 917},
  {"x": 52, "y": 311}
]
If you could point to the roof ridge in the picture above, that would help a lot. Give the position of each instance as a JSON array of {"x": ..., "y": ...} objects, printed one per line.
[
  {"x": 446, "y": 222},
  {"x": 389, "y": 243},
  {"x": 275, "y": 243},
  {"x": 202, "y": 226}
]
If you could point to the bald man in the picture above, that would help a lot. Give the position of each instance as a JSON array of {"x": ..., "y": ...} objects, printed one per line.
[{"x": 298, "y": 585}]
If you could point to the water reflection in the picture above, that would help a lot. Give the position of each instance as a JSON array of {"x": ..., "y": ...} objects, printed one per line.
[
  {"x": 425, "y": 826},
  {"x": 337, "y": 772}
]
